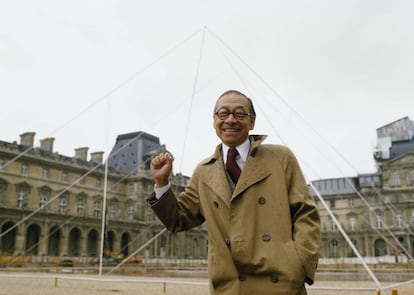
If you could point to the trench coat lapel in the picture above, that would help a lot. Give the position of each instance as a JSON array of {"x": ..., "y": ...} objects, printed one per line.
[
  {"x": 254, "y": 171},
  {"x": 256, "y": 167},
  {"x": 216, "y": 177}
]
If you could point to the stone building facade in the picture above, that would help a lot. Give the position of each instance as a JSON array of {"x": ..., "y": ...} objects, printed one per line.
[
  {"x": 375, "y": 210},
  {"x": 53, "y": 205}
]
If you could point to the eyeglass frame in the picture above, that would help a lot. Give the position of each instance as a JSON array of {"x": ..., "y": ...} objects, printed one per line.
[{"x": 236, "y": 114}]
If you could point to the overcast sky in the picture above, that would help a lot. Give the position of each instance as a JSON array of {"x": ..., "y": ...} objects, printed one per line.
[{"x": 324, "y": 74}]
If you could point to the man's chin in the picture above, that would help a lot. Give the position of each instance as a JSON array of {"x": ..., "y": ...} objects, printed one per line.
[{"x": 231, "y": 142}]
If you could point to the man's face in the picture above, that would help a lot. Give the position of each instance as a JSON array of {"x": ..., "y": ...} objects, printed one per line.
[{"x": 232, "y": 131}]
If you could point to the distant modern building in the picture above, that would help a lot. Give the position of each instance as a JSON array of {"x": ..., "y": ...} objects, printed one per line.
[
  {"x": 394, "y": 139},
  {"x": 52, "y": 205},
  {"x": 375, "y": 210}
]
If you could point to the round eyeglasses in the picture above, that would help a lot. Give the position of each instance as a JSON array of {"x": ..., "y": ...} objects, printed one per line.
[{"x": 239, "y": 115}]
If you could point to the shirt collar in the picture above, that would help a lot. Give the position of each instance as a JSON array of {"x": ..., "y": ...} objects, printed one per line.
[{"x": 243, "y": 150}]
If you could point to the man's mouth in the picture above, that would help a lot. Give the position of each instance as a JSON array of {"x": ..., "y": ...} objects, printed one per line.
[{"x": 230, "y": 130}]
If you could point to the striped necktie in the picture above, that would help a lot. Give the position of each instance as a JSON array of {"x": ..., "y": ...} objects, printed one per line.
[{"x": 231, "y": 165}]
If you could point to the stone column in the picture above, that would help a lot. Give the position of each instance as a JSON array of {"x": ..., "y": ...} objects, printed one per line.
[
  {"x": 83, "y": 243},
  {"x": 19, "y": 247},
  {"x": 43, "y": 242},
  {"x": 64, "y": 241}
]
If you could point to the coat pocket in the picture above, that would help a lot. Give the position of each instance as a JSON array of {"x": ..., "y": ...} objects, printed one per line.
[{"x": 292, "y": 265}]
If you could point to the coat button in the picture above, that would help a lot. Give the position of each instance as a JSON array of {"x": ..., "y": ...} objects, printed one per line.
[
  {"x": 274, "y": 278},
  {"x": 266, "y": 238},
  {"x": 215, "y": 204},
  {"x": 262, "y": 200},
  {"x": 227, "y": 241},
  {"x": 242, "y": 277}
]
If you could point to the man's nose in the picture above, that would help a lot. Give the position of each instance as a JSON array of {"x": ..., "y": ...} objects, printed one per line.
[{"x": 231, "y": 117}]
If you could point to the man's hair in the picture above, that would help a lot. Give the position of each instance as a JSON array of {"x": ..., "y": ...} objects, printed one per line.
[{"x": 232, "y": 91}]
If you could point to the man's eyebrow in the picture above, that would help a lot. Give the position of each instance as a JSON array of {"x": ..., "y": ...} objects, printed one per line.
[{"x": 227, "y": 108}]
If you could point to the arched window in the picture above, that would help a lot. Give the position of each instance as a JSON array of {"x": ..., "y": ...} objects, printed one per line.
[{"x": 380, "y": 248}]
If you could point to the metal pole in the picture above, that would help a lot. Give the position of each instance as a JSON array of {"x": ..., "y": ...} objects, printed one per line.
[{"x": 104, "y": 217}]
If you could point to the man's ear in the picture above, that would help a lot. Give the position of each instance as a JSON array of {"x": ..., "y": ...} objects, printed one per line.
[{"x": 252, "y": 122}]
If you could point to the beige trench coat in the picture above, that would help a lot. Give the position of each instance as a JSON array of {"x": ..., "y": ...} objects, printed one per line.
[{"x": 264, "y": 236}]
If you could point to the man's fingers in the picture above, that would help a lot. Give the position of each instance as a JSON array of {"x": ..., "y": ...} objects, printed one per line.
[
  {"x": 161, "y": 159},
  {"x": 169, "y": 157}
]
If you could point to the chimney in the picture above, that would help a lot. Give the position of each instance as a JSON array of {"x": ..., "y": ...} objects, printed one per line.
[
  {"x": 47, "y": 144},
  {"x": 27, "y": 138},
  {"x": 81, "y": 153},
  {"x": 96, "y": 157}
]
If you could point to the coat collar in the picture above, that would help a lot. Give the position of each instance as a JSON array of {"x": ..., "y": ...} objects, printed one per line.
[
  {"x": 252, "y": 173},
  {"x": 255, "y": 141}
]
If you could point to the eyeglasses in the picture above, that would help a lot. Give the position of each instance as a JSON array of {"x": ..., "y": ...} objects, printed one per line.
[{"x": 239, "y": 115}]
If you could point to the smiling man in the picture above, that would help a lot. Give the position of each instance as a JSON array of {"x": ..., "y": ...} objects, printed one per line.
[
  {"x": 263, "y": 226},
  {"x": 231, "y": 110}
]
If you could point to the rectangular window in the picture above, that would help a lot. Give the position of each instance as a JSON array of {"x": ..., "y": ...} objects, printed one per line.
[
  {"x": 148, "y": 216},
  {"x": 21, "y": 197},
  {"x": 334, "y": 226},
  {"x": 82, "y": 181},
  {"x": 399, "y": 221},
  {"x": 411, "y": 178},
  {"x": 44, "y": 197},
  {"x": 98, "y": 183},
  {"x": 332, "y": 203},
  {"x": 395, "y": 178},
  {"x": 131, "y": 188},
  {"x": 62, "y": 204},
  {"x": 24, "y": 169},
  {"x": 412, "y": 218},
  {"x": 131, "y": 212},
  {"x": 45, "y": 173},
  {"x": 3, "y": 188},
  {"x": 378, "y": 221},
  {"x": 352, "y": 223},
  {"x": 112, "y": 210},
  {"x": 65, "y": 177},
  {"x": 351, "y": 203},
  {"x": 81, "y": 206},
  {"x": 97, "y": 208},
  {"x": 397, "y": 198}
]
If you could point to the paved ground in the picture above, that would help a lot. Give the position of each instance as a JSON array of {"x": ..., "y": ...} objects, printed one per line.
[{"x": 74, "y": 284}]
